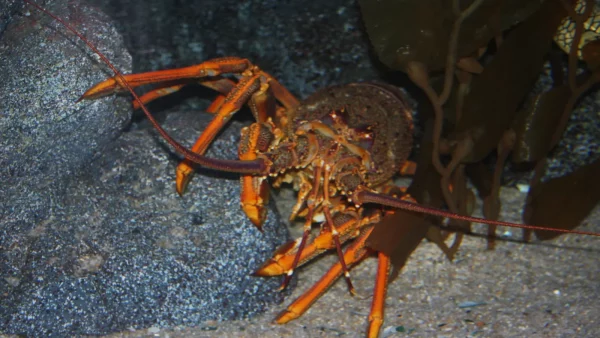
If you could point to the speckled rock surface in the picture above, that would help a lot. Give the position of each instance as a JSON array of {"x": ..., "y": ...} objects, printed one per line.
[
  {"x": 93, "y": 237},
  {"x": 45, "y": 136},
  {"x": 8, "y": 9},
  {"x": 121, "y": 249}
]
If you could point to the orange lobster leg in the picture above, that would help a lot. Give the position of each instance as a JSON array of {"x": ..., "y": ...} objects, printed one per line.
[
  {"x": 283, "y": 95},
  {"x": 213, "y": 67},
  {"x": 256, "y": 139},
  {"x": 263, "y": 106},
  {"x": 254, "y": 196},
  {"x": 354, "y": 253},
  {"x": 222, "y": 86},
  {"x": 255, "y": 189},
  {"x": 332, "y": 228},
  {"x": 156, "y": 93},
  {"x": 216, "y": 104},
  {"x": 303, "y": 192},
  {"x": 232, "y": 103},
  {"x": 311, "y": 203},
  {"x": 283, "y": 258},
  {"x": 378, "y": 303}
]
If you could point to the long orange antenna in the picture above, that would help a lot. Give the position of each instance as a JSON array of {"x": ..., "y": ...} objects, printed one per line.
[
  {"x": 370, "y": 197},
  {"x": 257, "y": 166}
]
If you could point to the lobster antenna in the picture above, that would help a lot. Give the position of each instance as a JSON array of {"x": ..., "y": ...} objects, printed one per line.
[
  {"x": 257, "y": 166},
  {"x": 364, "y": 196}
]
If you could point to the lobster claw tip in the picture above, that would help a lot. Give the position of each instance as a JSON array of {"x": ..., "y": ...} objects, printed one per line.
[
  {"x": 285, "y": 317},
  {"x": 268, "y": 269},
  {"x": 261, "y": 272},
  {"x": 180, "y": 188},
  {"x": 259, "y": 227},
  {"x": 183, "y": 175}
]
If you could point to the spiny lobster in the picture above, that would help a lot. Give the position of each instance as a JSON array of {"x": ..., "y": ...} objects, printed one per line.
[{"x": 340, "y": 148}]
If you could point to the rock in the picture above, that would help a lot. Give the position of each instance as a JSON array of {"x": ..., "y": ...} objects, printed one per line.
[
  {"x": 47, "y": 137},
  {"x": 124, "y": 250},
  {"x": 93, "y": 237}
]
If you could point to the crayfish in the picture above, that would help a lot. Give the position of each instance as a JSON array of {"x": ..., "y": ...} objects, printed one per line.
[{"x": 340, "y": 149}]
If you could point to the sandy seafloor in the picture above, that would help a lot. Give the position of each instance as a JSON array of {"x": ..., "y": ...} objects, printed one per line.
[
  {"x": 541, "y": 289},
  {"x": 548, "y": 289}
]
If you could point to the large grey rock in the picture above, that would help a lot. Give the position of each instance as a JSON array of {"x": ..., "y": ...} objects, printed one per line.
[
  {"x": 8, "y": 9},
  {"x": 46, "y": 137},
  {"x": 93, "y": 237},
  {"x": 122, "y": 249}
]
